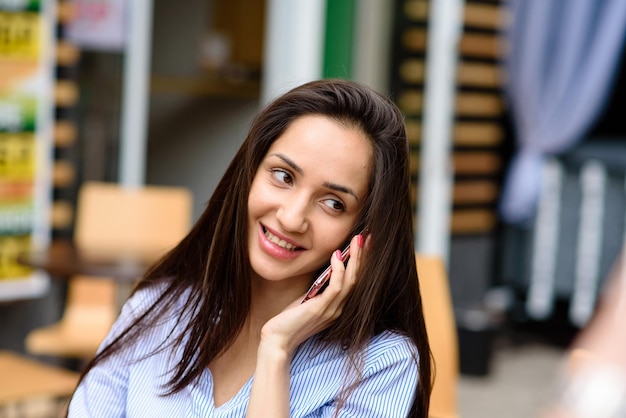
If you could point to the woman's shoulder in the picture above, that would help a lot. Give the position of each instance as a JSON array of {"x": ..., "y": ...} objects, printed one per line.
[
  {"x": 159, "y": 317},
  {"x": 149, "y": 294},
  {"x": 383, "y": 349},
  {"x": 146, "y": 295},
  {"x": 389, "y": 347},
  {"x": 390, "y": 338}
]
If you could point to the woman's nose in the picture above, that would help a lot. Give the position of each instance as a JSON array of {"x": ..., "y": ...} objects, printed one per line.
[{"x": 293, "y": 214}]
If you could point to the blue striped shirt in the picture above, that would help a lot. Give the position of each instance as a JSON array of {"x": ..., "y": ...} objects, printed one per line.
[{"x": 132, "y": 383}]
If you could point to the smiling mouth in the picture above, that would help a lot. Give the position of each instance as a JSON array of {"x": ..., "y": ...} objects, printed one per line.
[{"x": 279, "y": 242}]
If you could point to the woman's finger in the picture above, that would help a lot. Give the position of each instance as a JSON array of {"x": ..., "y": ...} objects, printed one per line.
[
  {"x": 347, "y": 275},
  {"x": 356, "y": 247}
]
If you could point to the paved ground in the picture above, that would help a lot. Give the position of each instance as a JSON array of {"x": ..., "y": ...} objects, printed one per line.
[{"x": 520, "y": 379}]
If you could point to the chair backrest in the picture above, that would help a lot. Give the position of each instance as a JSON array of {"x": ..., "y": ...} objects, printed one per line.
[
  {"x": 92, "y": 302},
  {"x": 143, "y": 222},
  {"x": 133, "y": 225},
  {"x": 442, "y": 335}
]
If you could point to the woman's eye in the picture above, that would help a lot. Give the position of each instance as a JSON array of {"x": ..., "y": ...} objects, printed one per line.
[
  {"x": 335, "y": 205},
  {"x": 282, "y": 177}
]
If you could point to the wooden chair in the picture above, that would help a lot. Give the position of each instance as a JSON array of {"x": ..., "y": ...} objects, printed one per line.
[
  {"x": 442, "y": 334},
  {"x": 111, "y": 222},
  {"x": 89, "y": 312},
  {"x": 32, "y": 389}
]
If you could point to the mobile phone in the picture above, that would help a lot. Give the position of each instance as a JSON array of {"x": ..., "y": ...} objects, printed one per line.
[{"x": 321, "y": 282}]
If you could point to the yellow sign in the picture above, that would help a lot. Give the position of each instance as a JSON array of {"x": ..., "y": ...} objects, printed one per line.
[
  {"x": 20, "y": 36},
  {"x": 26, "y": 113},
  {"x": 10, "y": 248},
  {"x": 20, "y": 46},
  {"x": 17, "y": 156}
]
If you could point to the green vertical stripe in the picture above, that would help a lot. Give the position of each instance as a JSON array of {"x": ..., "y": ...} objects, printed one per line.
[{"x": 339, "y": 38}]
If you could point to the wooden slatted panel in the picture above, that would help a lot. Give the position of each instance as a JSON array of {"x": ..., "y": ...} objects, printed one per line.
[
  {"x": 416, "y": 10},
  {"x": 66, "y": 97},
  {"x": 63, "y": 174},
  {"x": 471, "y": 221},
  {"x": 481, "y": 15},
  {"x": 465, "y": 134},
  {"x": 477, "y": 15},
  {"x": 65, "y": 12},
  {"x": 414, "y": 164},
  {"x": 470, "y": 163},
  {"x": 472, "y": 192},
  {"x": 413, "y": 71},
  {"x": 413, "y": 131},
  {"x": 474, "y": 74},
  {"x": 65, "y": 93},
  {"x": 410, "y": 101},
  {"x": 480, "y": 45},
  {"x": 469, "y": 74},
  {"x": 64, "y": 133},
  {"x": 479, "y": 104},
  {"x": 415, "y": 39},
  {"x": 475, "y": 192},
  {"x": 67, "y": 54},
  {"x": 476, "y": 163},
  {"x": 62, "y": 214},
  {"x": 478, "y": 134}
]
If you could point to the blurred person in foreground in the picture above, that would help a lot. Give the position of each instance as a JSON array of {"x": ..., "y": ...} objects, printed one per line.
[
  {"x": 592, "y": 382},
  {"x": 220, "y": 326}
]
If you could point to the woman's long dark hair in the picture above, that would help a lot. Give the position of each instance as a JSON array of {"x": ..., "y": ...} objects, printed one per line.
[{"x": 210, "y": 265}]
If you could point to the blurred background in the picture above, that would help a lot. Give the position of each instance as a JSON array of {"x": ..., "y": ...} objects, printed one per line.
[{"x": 514, "y": 112}]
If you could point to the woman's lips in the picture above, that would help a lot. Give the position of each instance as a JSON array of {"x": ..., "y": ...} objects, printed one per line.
[{"x": 276, "y": 246}]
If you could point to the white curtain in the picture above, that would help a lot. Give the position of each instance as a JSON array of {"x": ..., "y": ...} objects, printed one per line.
[{"x": 560, "y": 62}]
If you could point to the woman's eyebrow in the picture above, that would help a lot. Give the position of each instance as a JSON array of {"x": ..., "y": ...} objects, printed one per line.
[
  {"x": 289, "y": 162},
  {"x": 328, "y": 185},
  {"x": 340, "y": 188}
]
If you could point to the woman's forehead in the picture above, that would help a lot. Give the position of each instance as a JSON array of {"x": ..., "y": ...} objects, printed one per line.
[{"x": 317, "y": 143}]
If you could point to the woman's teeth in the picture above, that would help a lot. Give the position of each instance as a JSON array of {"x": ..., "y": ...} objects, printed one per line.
[{"x": 280, "y": 242}]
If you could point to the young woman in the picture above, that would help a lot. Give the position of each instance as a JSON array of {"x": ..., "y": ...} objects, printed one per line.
[{"x": 219, "y": 328}]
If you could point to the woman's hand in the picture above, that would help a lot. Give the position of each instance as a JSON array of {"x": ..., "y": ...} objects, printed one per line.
[{"x": 299, "y": 321}]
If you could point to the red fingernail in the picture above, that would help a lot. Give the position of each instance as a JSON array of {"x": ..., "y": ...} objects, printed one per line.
[
  {"x": 359, "y": 240},
  {"x": 338, "y": 255}
]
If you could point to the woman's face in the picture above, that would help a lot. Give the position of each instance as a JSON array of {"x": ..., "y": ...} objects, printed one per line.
[{"x": 305, "y": 198}]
